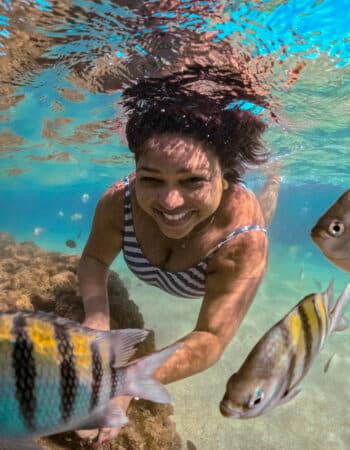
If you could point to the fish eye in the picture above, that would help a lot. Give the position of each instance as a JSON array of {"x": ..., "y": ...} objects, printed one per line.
[
  {"x": 336, "y": 228},
  {"x": 256, "y": 399}
]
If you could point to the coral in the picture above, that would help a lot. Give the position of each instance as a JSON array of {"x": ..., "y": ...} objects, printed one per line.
[{"x": 31, "y": 278}]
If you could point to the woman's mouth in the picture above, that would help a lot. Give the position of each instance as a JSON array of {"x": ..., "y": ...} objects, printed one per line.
[{"x": 174, "y": 219}]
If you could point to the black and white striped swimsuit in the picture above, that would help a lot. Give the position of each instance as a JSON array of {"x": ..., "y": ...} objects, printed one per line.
[{"x": 187, "y": 283}]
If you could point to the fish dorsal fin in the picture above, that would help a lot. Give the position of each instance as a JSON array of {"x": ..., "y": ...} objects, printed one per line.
[
  {"x": 50, "y": 317},
  {"x": 328, "y": 296},
  {"x": 121, "y": 342},
  {"x": 338, "y": 321},
  {"x": 342, "y": 324}
]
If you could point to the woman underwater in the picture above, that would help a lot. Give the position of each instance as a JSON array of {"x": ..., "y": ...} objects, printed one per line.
[{"x": 183, "y": 220}]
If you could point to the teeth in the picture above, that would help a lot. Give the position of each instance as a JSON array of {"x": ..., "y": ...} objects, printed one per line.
[{"x": 174, "y": 216}]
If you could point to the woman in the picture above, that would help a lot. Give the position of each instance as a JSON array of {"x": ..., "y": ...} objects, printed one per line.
[{"x": 183, "y": 220}]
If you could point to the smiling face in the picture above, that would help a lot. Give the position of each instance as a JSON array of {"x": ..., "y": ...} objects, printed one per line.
[{"x": 178, "y": 183}]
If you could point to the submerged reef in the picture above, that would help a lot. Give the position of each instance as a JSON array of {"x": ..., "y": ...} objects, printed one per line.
[{"x": 34, "y": 279}]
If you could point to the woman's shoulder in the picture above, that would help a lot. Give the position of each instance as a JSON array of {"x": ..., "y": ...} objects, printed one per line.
[
  {"x": 241, "y": 207},
  {"x": 110, "y": 207},
  {"x": 246, "y": 239},
  {"x": 114, "y": 194}
]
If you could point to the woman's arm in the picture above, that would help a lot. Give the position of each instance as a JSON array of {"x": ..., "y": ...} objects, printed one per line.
[
  {"x": 232, "y": 281},
  {"x": 268, "y": 195},
  {"x": 103, "y": 245},
  {"x": 93, "y": 276}
]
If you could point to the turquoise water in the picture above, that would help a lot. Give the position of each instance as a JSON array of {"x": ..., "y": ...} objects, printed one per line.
[{"x": 58, "y": 143}]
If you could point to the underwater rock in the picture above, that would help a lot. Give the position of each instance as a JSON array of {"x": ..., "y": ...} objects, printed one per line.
[{"x": 34, "y": 279}]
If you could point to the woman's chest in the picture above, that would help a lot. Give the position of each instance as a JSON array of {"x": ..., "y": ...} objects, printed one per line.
[
  {"x": 175, "y": 255},
  {"x": 172, "y": 255}
]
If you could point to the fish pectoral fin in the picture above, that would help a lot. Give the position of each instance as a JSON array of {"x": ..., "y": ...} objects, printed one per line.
[
  {"x": 289, "y": 395},
  {"x": 19, "y": 444},
  {"x": 342, "y": 324},
  {"x": 109, "y": 416}
]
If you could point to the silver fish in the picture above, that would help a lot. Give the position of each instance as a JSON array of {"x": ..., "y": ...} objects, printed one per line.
[
  {"x": 56, "y": 375},
  {"x": 332, "y": 232},
  {"x": 190, "y": 445},
  {"x": 271, "y": 373},
  {"x": 328, "y": 363}
]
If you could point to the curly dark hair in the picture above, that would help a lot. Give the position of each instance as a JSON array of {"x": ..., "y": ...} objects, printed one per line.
[{"x": 204, "y": 103}]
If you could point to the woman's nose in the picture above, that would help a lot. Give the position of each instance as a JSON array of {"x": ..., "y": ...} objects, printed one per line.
[{"x": 171, "y": 198}]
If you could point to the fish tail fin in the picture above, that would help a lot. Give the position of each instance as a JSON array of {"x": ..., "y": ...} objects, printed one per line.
[
  {"x": 139, "y": 381},
  {"x": 338, "y": 321}
]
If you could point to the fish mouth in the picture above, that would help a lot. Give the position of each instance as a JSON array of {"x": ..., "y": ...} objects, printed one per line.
[
  {"x": 319, "y": 234},
  {"x": 227, "y": 411}
]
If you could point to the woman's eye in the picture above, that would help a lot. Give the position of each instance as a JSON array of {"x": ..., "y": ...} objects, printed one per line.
[
  {"x": 150, "y": 180},
  {"x": 194, "y": 180}
]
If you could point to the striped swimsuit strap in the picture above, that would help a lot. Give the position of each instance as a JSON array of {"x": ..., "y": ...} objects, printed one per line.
[
  {"x": 188, "y": 283},
  {"x": 233, "y": 234}
]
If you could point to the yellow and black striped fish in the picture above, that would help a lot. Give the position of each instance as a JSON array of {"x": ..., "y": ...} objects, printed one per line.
[
  {"x": 273, "y": 369},
  {"x": 56, "y": 375}
]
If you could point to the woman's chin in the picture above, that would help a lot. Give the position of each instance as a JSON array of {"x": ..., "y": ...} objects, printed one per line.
[
  {"x": 175, "y": 229},
  {"x": 175, "y": 233}
]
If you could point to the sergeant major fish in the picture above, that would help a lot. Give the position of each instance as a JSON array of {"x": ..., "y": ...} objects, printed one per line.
[
  {"x": 56, "y": 375},
  {"x": 271, "y": 373},
  {"x": 332, "y": 232}
]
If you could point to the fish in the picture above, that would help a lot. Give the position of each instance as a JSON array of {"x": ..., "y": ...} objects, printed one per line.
[
  {"x": 70, "y": 243},
  {"x": 85, "y": 198},
  {"x": 37, "y": 231},
  {"x": 57, "y": 375},
  {"x": 76, "y": 216},
  {"x": 272, "y": 371},
  {"x": 328, "y": 363},
  {"x": 332, "y": 232},
  {"x": 190, "y": 445},
  {"x": 301, "y": 274}
]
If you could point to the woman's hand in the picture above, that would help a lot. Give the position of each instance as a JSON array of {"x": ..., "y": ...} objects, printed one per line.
[
  {"x": 97, "y": 322},
  {"x": 104, "y": 435},
  {"x": 99, "y": 436}
]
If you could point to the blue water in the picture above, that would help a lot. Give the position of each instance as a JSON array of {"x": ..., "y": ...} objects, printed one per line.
[
  {"x": 58, "y": 142},
  {"x": 298, "y": 209}
]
